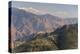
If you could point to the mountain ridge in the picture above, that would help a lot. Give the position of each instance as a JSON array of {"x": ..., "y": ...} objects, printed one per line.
[{"x": 26, "y": 23}]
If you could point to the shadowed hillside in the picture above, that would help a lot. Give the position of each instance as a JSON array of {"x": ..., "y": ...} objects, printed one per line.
[{"x": 65, "y": 37}]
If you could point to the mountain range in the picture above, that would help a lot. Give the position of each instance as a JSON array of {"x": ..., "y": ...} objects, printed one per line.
[{"x": 25, "y": 22}]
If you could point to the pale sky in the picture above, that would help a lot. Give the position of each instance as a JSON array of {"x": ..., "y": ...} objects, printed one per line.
[{"x": 61, "y": 10}]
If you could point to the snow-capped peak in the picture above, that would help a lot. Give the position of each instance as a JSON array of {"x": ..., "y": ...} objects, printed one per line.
[{"x": 33, "y": 10}]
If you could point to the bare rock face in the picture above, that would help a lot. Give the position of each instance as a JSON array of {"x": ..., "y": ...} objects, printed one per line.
[{"x": 25, "y": 23}]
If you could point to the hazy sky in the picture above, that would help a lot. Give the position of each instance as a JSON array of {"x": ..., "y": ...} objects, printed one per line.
[{"x": 61, "y": 10}]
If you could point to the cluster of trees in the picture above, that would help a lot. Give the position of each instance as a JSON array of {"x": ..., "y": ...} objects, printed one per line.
[{"x": 38, "y": 44}]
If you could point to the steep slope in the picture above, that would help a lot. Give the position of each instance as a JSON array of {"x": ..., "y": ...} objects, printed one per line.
[
  {"x": 67, "y": 36},
  {"x": 27, "y": 23}
]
